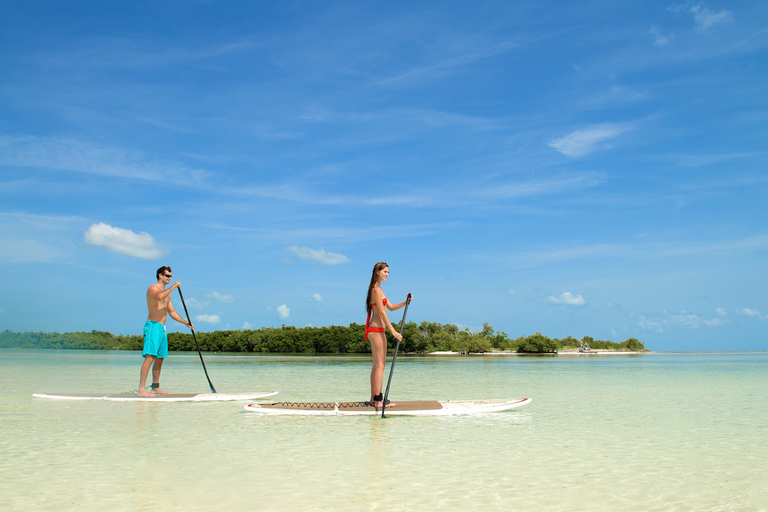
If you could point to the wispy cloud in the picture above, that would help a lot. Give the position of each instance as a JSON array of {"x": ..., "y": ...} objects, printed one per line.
[
  {"x": 683, "y": 319},
  {"x": 194, "y": 303},
  {"x": 319, "y": 255},
  {"x": 149, "y": 53},
  {"x": 284, "y": 311},
  {"x": 695, "y": 321},
  {"x": 27, "y": 238},
  {"x": 566, "y": 298},
  {"x": 294, "y": 193},
  {"x": 317, "y": 297},
  {"x": 340, "y": 233},
  {"x": 124, "y": 241},
  {"x": 660, "y": 40},
  {"x": 707, "y": 158},
  {"x": 554, "y": 185},
  {"x": 585, "y": 141},
  {"x": 21, "y": 250},
  {"x": 649, "y": 250},
  {"x": 68, "y": 154},
  {"x": 448, "y": 65},
  {"x": 647, "y": 324},
  {"x": 705, "y": 18},
  {"x": 753, "y": 313},
  {"x": 208, "y": 319},
  {"x": 222, "y": 298}
]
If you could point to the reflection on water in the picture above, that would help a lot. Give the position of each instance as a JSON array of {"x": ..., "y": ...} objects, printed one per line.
[{"x": 657, "y": 432}]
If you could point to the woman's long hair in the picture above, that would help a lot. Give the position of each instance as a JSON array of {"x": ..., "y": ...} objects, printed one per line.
[{"x": 376, "y": 269}]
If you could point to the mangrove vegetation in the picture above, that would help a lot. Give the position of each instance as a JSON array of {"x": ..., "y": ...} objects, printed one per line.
[{"x": 417, "y": 338}]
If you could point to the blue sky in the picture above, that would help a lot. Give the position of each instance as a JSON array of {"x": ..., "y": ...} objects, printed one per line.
[{"x": 596, "y": 168}]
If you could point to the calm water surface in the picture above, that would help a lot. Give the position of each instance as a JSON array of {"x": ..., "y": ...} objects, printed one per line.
[{"x": 663, "y": 432}]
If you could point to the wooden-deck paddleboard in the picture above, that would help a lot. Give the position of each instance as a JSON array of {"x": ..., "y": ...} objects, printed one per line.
[
  {"x": 400, "y": 408},
  {"x": 175, "y": 397}
]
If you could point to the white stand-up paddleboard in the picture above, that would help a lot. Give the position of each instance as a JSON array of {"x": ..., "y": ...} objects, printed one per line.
[
  {"x": 176, "y": 397},
  {"x": 400, "y": 408}
]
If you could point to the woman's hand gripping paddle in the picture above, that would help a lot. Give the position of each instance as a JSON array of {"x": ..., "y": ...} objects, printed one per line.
[
  {"x": 213, "y": 389},
  {"x": 394, "y": 357}
]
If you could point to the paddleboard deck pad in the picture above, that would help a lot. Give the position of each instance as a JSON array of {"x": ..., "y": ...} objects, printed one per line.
[
  {"x": 175, "y": 397},
  {"x": 400, "y": 408}
]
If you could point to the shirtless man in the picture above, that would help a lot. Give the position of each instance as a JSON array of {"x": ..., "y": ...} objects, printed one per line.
[{"x": 155, "y": 337}]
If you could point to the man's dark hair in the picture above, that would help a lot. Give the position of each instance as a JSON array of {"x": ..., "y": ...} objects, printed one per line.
[{"x": 162, "y": 270}]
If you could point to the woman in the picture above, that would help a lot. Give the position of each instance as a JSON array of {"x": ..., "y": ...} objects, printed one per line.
[{"x": 376, "y": 305}]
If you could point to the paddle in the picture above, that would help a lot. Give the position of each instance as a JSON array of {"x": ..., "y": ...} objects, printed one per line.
[
  {"x": 213, "y": 389},
  {"x": 394, "y": 357}
]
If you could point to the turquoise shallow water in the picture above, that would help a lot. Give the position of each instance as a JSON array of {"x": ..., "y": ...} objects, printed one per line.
[{"x": 660, "y": 432}]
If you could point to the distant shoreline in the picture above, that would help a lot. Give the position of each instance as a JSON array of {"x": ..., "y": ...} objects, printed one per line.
[
  {"x": 603, "y": 353},
  {"x": 401, "y": 353},
  {"x": 559, "y": 353}
]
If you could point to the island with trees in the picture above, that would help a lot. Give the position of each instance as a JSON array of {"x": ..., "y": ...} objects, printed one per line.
[{"x": 422, "y": 338}]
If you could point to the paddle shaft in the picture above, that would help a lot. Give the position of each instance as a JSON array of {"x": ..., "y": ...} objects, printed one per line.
[
  {"x": 394, "y": 357},
  {"x": 213, "y": 389}
]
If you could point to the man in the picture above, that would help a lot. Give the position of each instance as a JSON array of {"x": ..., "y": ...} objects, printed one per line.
[{"x": 155, "y": 337}]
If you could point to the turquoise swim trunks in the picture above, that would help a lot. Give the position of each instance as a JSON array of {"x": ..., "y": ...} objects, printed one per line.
[{"x": 155, "y": 340}]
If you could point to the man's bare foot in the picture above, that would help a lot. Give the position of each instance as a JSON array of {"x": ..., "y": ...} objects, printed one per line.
[
  {"x": 144, "y": 392},
  {"x": 159, "y": 391}
]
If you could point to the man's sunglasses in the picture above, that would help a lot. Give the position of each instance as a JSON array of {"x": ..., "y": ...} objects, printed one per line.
[{"x": 167, "y": 275}]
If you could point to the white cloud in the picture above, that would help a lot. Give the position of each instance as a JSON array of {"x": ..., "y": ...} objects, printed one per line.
[
  {"x": 209, "y": 319},
  {"x": 585, "y": 141},
  {"x": 753, "y": 313},
  {"x": 284, "y": 311},
  {"x": 695, "y": 321},
  {"x": 705, "y": 18},
  {"x": 247, "y": 325},
  {"x": 223, "y": 298},
  {"x": 124, "y": 241},
  {"x": 319, "y": 255},
  {"x": 316, "y": 297},
  {"x": 512, "y": 291},
  {"x": 683, "y": 319},
  {"x": 650, "y": 325},
  {"x": 567, "y": 298}
]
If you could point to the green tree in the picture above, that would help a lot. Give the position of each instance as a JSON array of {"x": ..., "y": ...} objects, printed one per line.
[{"x": 537, "y": 344}]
